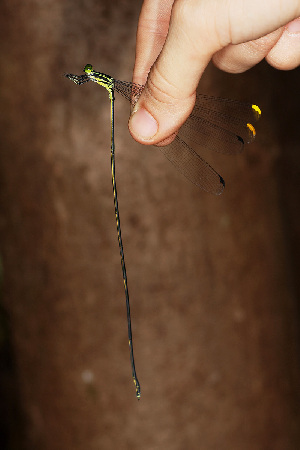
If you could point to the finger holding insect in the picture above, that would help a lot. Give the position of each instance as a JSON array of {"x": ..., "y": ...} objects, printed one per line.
[
  {"x": 151, "y": 35},
  {"x": 197, "y": 30}
]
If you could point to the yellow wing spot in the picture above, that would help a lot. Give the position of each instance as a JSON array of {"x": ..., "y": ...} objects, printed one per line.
[
  {"x": 257, "y": 111},
  {"x": 251, "y": 130}
]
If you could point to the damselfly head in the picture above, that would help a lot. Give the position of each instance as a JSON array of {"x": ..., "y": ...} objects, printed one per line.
[{"x": 88, "y": 69}]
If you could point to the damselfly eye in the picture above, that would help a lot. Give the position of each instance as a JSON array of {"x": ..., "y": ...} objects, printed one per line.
[{"x": 88, "y": 68}]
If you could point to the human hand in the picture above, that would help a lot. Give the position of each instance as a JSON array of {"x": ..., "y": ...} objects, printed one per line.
[{"x": 178, "y": 38}]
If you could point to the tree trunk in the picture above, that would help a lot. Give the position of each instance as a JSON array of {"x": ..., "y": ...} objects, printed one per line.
[{"x": 213, "y": 280}]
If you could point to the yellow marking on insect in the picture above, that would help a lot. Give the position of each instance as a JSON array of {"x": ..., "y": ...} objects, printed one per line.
[
  {"x": 257, "y": 111},
  {"x": 137, "y": 389},
  {"x": 100, "y": 78},
  {"x": 251, "y": 129}
]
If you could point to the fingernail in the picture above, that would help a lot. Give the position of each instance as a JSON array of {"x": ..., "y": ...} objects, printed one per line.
[
  {"x": 143, "y": 124},
  {"x": 293, "y": 27}
]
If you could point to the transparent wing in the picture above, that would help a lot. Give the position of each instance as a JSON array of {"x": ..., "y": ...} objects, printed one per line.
[
  {"x": 225, "y": 121},
  {"x": 131, "y": 91},
  {"x": 193, "y": 167},
  {"x": 231, "y": 115},
  {"x": 217, "y": 124}
]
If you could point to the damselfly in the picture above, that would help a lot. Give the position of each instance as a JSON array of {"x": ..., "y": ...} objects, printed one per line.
[{"x": 218, "y": 124}]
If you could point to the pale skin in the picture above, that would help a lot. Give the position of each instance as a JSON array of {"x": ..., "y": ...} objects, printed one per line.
[{"x": 176, "y": 39}]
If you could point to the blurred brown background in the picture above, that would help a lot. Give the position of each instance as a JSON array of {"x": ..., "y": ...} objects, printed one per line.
[{"x": 214, "y": 282}]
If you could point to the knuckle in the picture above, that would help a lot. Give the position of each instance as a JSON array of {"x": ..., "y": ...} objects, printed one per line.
[{"x": 160, "y": 89}]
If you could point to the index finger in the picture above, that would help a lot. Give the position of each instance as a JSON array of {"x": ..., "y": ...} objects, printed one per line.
[{"x": 151, "y": 35}]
